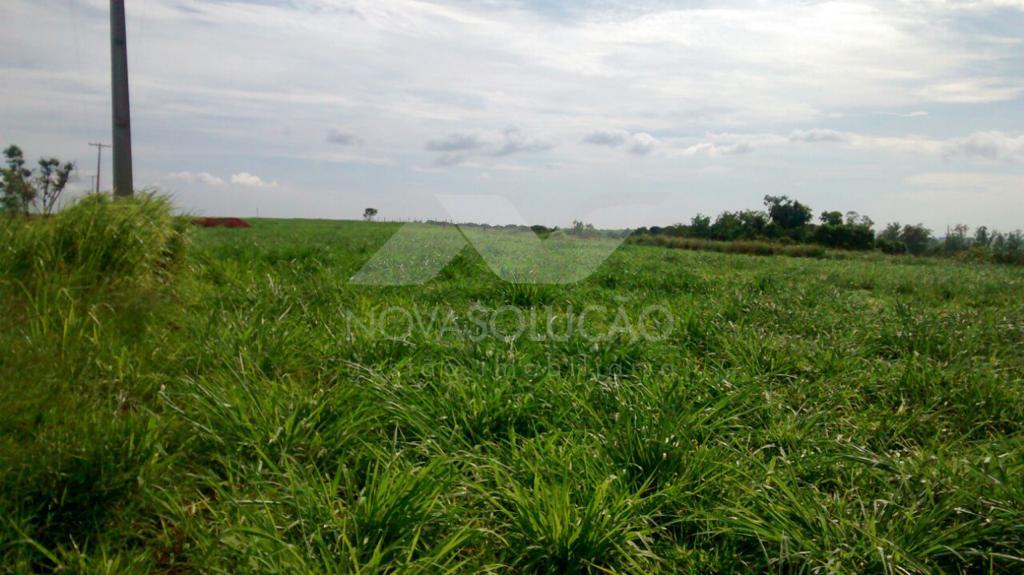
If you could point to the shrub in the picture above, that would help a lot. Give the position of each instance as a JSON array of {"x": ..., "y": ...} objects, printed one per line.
[
  {"x": 95, "y": 241},
  {"x": 916, "y": 238},
  {"x": 890, "y": 246},
  {"x": 1009, "y": 248},
  {"x": 22, "y": 189},
  {"x": 844, "y": 236},
  {"x": 786, "y": 213}
]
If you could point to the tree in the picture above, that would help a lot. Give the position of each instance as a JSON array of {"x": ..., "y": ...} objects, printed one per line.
[
  {"x": 832, "y": 218},
  {"x": 847, "y": 237},
  {"x": 728, "y": 226},
  {"x": 700, "y": 226},
  {"x": 889, "y": 241},
  {"x": 891, "y": 232},
  {"x": 21, "y": 189},
  {"x": 786, "y": 213},
  {"x": 1008, "y": 248},
  {"x": 982, "y": 237},
  {"x": 16, "y": 187},
  {"x": 916, "y": 238},
  {"x": 369, "y": 214},
  {"x": 50, "y": 183},
  {"x": 754, "y": 223},
  {"x": 956, "y": 240},
  {"x": 855, "y": 219},
  {"x": 580, "y": 227}
]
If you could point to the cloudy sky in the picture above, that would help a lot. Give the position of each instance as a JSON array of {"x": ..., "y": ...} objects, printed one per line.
[{"x": 906, "y": 110}]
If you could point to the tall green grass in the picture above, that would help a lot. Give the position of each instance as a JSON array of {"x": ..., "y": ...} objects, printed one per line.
[
  {"x": 748, "y": 247},
  {"x": 201, "y": 403},
  {"x": 78, "y": 291},
  {"x": 96, "y": 240}
]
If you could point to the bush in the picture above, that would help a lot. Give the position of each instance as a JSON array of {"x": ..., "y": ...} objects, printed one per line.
[
  {"x": 844, "y": 236},
  {"x": 917, "y": 238},
  {"x": 1009, "y": 248},
  {"x": 96, "y": 240},
  {"x": 891, "y": 247}
]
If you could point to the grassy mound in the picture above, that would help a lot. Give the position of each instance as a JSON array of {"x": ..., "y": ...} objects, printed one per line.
[
  {"x": 95, "y": 241},
  {"x": 84, "y": 296}
]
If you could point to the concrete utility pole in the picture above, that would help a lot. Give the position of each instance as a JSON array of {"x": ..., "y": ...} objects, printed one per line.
[
  {"x": 99, "y": 158},
  {"x": 123, "y": 185}
]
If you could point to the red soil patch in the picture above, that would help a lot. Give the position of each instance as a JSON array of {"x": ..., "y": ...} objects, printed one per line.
[{"x": 221, "y": 222}]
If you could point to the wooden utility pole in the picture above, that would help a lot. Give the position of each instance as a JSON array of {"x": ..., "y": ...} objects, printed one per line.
[
  {"x": 99, "y": 158},
  {"x": 123, "y": 185}
]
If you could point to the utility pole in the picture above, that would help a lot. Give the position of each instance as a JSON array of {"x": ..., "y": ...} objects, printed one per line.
[
  {"x": 99, "y": 158},
  {"x": 123, "y": 185}
]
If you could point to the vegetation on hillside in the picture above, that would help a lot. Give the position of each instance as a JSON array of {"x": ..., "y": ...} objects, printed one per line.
[
  {"x": 237, "y": 407},
  {"x": 787, "y": 221}
]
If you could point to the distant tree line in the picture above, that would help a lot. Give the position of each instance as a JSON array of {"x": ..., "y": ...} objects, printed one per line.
[{"x": 789, "y": 221}]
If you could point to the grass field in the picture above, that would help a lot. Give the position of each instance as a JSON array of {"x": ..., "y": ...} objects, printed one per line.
[{"x": 241, "y": 408}]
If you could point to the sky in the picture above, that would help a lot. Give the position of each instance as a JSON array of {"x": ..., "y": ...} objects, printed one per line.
[{"x": 904, "y": 110}]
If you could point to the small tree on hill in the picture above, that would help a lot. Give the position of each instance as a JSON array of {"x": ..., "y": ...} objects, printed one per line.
[
  {"x": 832, "y": 218},
  {"x": 17, "y": 191},
  {"x": 369, "y": 214},
  {"x": 891, "y": 232},
  {"x": 700, "y": 226},
  {"x": 53, "y": 177},
  {"x": 855, "y": 219},
  {"x": 754, "y": 223},
  {"x": 21, "y": 189},
  {"x": 727, "y": 227},
  {"x": 956, "y": 239},
  {"x": 982, "y": 237},
  {"x": 786, "y": 213},
  {"x": 916, "y": 238},
  {"x": 889, "y": 239}
]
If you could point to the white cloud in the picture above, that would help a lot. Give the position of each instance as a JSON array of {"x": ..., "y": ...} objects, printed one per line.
[
  {"x": 973, "y": 91},
  {"x": 713, "y": 150},
  {"x": 818, "y": 135},
  {"x": 642, "y": 144},
  {"x": 458, "y": 142},
  {"x": 994, "y": 146},
  {"x": 456, "y": 148},
  {"x": 204, "y": 178},
  {"x": 250, "y": 181},
  {"x": 422, "y": 83},
  {"x": 985, "y": 146},
  {"x": 610, "y": 138},
  {"x": 976, "y": 5},
  {"x": 515, "y": 141},
  {"x": 638, "y": 144},
  {"x": 343, "y": 138}
]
